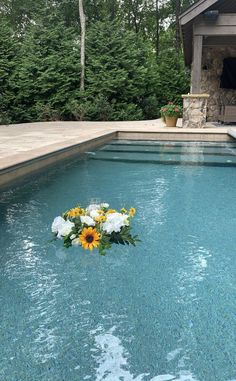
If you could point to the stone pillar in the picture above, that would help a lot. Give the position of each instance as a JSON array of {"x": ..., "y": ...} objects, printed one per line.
[{"x": 194, "y": 110}]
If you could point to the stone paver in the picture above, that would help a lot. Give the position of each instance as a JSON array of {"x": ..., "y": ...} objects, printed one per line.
[
  {"x": 22, "y": 142},
  {"x": 20, "y": 138}
]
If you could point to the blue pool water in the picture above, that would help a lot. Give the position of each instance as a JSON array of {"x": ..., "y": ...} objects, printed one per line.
[{"x": 165, "y": 310}]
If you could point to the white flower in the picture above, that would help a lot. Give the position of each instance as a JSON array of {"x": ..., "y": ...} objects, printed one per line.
[
  {"x": 92, "y": 207},
  {"x": 76, "y": 242},
  {"x": 105, "y": 205},
  {"x": 65, "y": 228},
  {"x": 58, "y": 221},
  {"x": 94, "y": 214},
  {"x": 72, "y": 236},
  {"x": 114, "y": 222},
  {"x": 87, "y": 220}
]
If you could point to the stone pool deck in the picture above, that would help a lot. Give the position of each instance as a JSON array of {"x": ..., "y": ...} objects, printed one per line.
[{"x": 25, "y": 148}]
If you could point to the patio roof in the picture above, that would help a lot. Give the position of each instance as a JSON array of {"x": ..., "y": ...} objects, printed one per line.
[{"x": 188, "y": 17}]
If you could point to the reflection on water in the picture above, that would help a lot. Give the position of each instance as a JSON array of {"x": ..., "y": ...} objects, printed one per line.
[
  {"x": 112, "y": 361},
  {"x": 193, "y": 271},
  {"x": 153, "y": 193}
]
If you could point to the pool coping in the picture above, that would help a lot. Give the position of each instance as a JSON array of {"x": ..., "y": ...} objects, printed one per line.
[
  {"x": 177, "y": 134},
  {"x": 232, "y": 133},
  {"x": 19, "y": 165},
  {"x": 35, "y": 160}
]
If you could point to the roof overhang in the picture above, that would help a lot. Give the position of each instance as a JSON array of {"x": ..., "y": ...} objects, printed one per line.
[
  {"x": 186, "y": 20},
  {"x": 195, "y": 10},
  {"x": 192, "y": 16}
]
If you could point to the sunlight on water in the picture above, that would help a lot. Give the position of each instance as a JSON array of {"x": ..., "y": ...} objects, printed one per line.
[{"x": 113, "y": 361}]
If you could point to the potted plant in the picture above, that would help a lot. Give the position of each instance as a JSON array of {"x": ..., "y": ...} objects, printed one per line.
[{"x": 170, "y": 114}]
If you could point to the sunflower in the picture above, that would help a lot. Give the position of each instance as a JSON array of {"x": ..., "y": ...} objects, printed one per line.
[
  {"x": 75, "y": 212},
  {"x": 132, "y": 212},
  {"x": 100, "y": 211},
  {"x": 89, "y": 238},
  {"x": 110, "y": 211},
  {"x": 100, "y": 218}
]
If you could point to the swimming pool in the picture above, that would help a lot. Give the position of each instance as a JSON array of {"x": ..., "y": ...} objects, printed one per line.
[{"x": 164, "y": 310}]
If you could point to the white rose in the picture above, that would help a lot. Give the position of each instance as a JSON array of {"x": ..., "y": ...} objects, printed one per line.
[
  {"x": 92, "y": 207},
  {"x": 105, "y": 205},
  {"x": 87, "y": 220},
  {"x": 94, "y": 214},
  {"x": 58, "y": 221},
  {"x": 76, "y": 242},
  {"x": 114, "y": 222},
  {"x": 65, "y": 228}
]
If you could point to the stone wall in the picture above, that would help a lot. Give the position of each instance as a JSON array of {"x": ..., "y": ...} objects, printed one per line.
[
  {"x": 212, "y": 65},
  {"x": 194, "y": 110}
]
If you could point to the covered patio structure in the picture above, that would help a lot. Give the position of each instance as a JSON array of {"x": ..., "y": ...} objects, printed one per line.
[{"x": 209, "y": 42}]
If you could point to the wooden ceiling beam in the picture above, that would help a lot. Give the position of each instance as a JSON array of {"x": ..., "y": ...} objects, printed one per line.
[
  {"x": 215, "y": 31},
  {"x": 224, "y": 25},
  {"x": 219, "y": 41}
]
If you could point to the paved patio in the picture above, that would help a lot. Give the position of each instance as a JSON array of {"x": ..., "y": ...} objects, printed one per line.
[{"x": 20, "y": 142}]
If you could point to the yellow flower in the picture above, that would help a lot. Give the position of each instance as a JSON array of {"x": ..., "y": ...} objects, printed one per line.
[
  {"x": 75, "y": 212},
  {"x": 100, "y": 219},
  {"x": 111, "y": 211},
  {"x": 132, "y": 212},
  {"x": 123, "y": 210},
  {"x": 89, "y": 238}
]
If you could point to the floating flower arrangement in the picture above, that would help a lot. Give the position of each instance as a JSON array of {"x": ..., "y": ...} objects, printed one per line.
[{"x": 95, "y": 227}]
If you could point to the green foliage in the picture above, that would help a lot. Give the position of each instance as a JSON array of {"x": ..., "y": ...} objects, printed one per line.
[
  {"x": 48, "y": 72},
  {"x": 171, "y": 110},
  {"x": 8, "y": 49},
  {"x": 175, "y": 77},
  {"x": 117, "y": 77},
  {"x": 124, "y": 80},
  {"x": 124, "y": 237}
]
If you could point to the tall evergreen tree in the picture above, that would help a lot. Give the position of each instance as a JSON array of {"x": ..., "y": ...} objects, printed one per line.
[
  {"x": 8, "y": 51},
  {"x": 119, "y": 68},
  {"x": 48, "y": 72},
  {"x": 40, "y": 68}
]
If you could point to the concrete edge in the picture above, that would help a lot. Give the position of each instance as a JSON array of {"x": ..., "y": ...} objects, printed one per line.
[
  {"x": 232, "y": 133},
  {"x": 39, "y": 152},
  {"x": 175, "y": 135},
  {"x": 12, "y": 173},
  {"x": 21, "y": 165}
]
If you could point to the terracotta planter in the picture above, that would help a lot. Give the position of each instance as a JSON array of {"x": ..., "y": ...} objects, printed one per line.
[{"x": 171, "y": 121}]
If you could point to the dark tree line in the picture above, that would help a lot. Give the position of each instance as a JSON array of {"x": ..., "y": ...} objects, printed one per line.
[{"x": 133, "y": 59}]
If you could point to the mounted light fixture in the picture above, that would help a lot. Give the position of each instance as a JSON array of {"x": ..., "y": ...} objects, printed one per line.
[{"x": 211, "y": 16}]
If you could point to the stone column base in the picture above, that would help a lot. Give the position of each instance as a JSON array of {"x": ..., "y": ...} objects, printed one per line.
[{"x": 194, "y": 110}]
